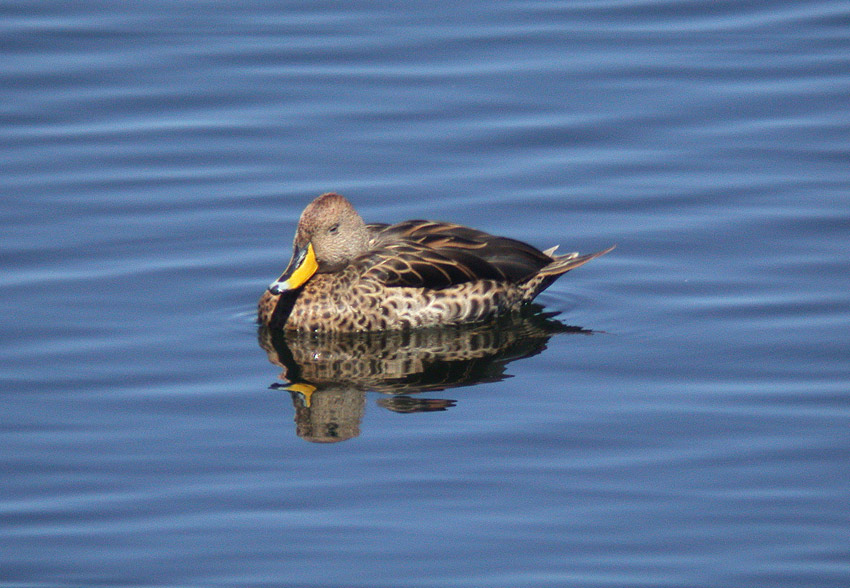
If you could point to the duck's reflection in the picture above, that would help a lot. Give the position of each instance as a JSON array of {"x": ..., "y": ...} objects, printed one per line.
[{"x": 328, "y": 374}]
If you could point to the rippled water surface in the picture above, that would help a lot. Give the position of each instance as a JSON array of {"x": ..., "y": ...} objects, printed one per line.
[{"x": 681, "y": 421}]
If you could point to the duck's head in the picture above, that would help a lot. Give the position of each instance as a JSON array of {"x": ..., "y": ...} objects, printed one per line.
[{"x": 330, "y": 234}]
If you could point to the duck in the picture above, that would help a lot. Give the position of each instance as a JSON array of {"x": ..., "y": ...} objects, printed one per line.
[{"x": 347, "y": 276}]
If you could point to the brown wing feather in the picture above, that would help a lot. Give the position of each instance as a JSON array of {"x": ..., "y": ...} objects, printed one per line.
[
  {"x": 437, "y": 255},
  {"x": 415, "y": 266}
]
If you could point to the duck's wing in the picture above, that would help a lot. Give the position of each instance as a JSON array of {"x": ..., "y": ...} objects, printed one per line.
[
  {"x": 416, "y": 266},
  {"x": 428, "y": 254}
]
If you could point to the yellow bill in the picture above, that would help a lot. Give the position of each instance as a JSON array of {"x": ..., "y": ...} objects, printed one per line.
[
  {"x": 300, "y": 269},
  {"x": 304, "y": 390}
]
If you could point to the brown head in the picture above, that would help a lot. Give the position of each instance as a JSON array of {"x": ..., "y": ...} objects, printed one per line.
[{"x": 330, "y": 234}]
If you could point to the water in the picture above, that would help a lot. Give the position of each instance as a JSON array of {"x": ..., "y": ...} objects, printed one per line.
[{"x": 686, "y": 425}]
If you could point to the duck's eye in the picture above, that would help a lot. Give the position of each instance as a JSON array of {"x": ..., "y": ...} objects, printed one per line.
[{"x": 334, "y": 228}]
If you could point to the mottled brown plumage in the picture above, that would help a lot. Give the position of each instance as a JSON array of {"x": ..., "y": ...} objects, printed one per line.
[{"x": 346, "y": 275}]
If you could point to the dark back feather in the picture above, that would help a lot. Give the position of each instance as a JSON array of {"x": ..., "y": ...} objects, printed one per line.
[{"x": 436, "y": 255}]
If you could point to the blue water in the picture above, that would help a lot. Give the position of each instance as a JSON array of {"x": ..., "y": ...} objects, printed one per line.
[{"x": 683, "y": 423}]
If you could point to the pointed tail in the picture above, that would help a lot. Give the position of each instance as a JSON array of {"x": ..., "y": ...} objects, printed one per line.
[
  {"x": 561, "y": 264},
  {"x": 564, "y": 263}
]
